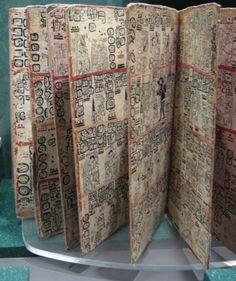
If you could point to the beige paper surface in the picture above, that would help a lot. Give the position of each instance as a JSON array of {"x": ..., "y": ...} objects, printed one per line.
[
  {"x": 59, "y": 69},
  {"x": 22, "y": 149},
  {"x": 98, "y": 86},
  {"x": 190, "y": 190},
  {"x": 152, "y": 35},
  {"x": 47, "y": 189},
  {"x": 224, "y": 193}
]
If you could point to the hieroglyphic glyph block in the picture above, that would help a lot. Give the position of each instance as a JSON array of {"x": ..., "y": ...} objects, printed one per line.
[
  {"x": 191, "y": 181},
  {"x": 224, "y": 193},
  {"x": 47, "y": 188},
  {"x": 59, "y": 69},
  {"x": 152, "y": 40},
  {"x": 21, "y": 114},
  {"x": 98, "y": 86}
]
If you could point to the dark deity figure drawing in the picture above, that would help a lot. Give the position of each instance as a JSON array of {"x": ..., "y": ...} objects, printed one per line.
[{"x": 162, "y": 93}]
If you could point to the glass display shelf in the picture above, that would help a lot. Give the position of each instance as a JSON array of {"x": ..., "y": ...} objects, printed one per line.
[{"x": 166, "y": 251}]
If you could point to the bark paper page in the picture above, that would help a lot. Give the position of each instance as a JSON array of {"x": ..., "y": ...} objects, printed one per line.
[
  {"x": 22, "y": 148},
  {"x": 152, "y": 38},
  {"x": 224, "y": 196},
  {"x": 193, "y": 140},
  {"x": 97, "y": 50},
  {"x": 47, "y": 190},
  {"x": 59, "y": 67}
]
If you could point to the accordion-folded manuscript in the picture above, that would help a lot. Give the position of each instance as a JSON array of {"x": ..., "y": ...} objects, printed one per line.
[
  {"x": 121, "y": 115},
  {"x": 21, "y": 126}
]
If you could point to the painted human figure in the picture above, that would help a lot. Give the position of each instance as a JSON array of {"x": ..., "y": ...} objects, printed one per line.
[
  {"x": 162, "y": 94},
  {"x": 110, "y": 164},
  {"x": 91, "y": 173}
]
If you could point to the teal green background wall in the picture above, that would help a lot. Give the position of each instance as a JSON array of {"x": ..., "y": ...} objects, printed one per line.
[{"x": 5, "y": 152}]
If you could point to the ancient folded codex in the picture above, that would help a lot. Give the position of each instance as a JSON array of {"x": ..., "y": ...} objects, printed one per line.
[
  {"x": 98, "y": 82},
  {"x": 224, "y": 193},
  {"x": 121, "y": 115},
  {"x": 59, "y": 67},
  {"x": 152, "y": 34},
  {"x": 193, "y": 138},
  {"x": 48, "y": 205},
  {"x": 22, "y": 148}
]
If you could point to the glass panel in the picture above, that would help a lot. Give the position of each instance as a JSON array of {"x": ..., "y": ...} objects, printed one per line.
[{"x": 166, "y": 251}]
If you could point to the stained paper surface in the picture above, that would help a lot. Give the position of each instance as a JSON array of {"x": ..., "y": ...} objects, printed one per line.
[
  {"x": 47, "y": 187},
  {"x": 59, "y": 69},
  {"x": 152, "y": 35},
  {"x": 224, "y": 194},
  {"x": 98, "y": 84},
  {"x": 22, "y": 149},
  {"x": 191, "y": 180}
]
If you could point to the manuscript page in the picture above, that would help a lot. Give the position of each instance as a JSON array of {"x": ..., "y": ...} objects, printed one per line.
[
  {"x": 224, "y": 193},
  {"x": 22, "y": 148},
  {"x": 152, "y": 39},
  {"x": 47, "y": 188},
  {"x": 59, "y": 70},
  {"x": 98, "y": 88},
  {"x": 191, "y": 179}
]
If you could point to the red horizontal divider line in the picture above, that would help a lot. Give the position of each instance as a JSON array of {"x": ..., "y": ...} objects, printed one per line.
[
  {"x": 228, "y": 68},
  {"x": 107, "y": 71},
  {"x": 226, "y": 129}
]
